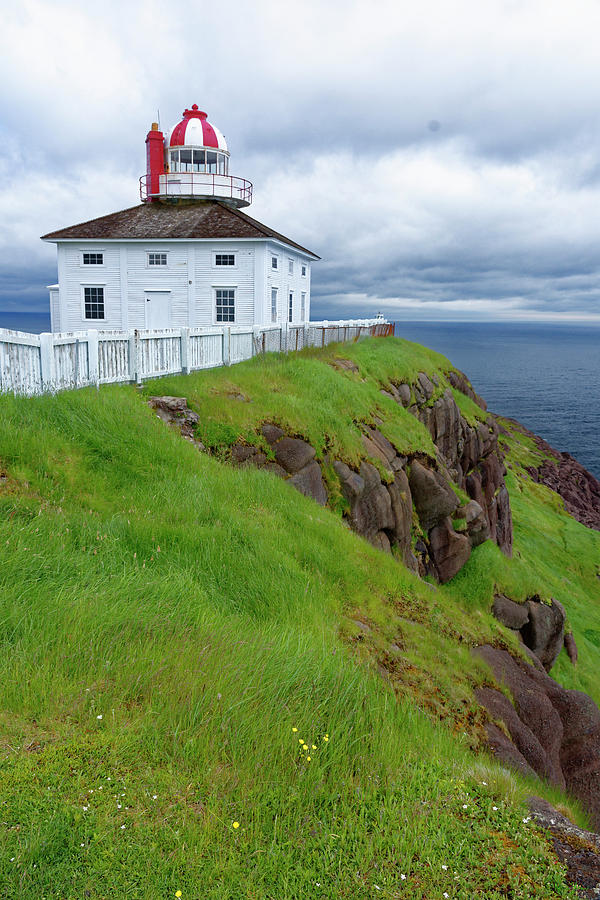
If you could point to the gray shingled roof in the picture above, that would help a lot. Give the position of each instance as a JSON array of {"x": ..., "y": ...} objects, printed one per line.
[{"x": 165, "y": 221}]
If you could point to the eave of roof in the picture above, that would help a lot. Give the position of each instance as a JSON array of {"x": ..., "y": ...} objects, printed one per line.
[{"x": 199, "y": 220}]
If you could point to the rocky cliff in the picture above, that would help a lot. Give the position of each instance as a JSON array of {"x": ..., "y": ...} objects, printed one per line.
[{"x": 430, "y": 511}]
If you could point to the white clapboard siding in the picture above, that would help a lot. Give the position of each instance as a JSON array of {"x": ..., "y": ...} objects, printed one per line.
[
  {"x": 208, "y": 277},
  {"x": 31, "y": 363}
]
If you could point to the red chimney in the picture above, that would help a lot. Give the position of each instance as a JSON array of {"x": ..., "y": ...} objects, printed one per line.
[{"x": 155, "y": 160}]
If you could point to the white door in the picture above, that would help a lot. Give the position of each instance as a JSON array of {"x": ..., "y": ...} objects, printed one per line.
[{"x": 158, "y": 309}]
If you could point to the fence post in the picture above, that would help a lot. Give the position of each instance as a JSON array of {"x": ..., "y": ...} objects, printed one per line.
[
  {"x": 93, "y": 369},
  {"x": 256, "y": 336},
  {"x": 47, "y": 361},
  {"x": 185, "y": 351},
  {"x": 226, "y": 345},
  {"x": 131, "y": 355},
  {"x": 137, "y": 356}
]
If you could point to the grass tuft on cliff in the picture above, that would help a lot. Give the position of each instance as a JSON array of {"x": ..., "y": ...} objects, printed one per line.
[{"x": 175, "y": 633}]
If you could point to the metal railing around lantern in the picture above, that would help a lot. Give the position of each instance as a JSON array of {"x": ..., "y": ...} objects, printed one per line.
[{"x": 197, "y": 184}]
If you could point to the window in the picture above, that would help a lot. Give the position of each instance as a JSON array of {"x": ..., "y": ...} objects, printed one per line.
[
  {"x": 303, "y": 305},
  {"x": 273, "y": 304},
  {"x": 303, "y": 270},
  {"x": 93, "y": 259},
  {"x": 199, "y": 160},
  {"x": 211, "y": 161},
  {"x": 291, "y": 307},
  {"x": 93, "y": 298},
  {"x": 291, "y": 266},
  {"x": 225, "y": 302},
  {"x": 274, "y": 262},
  {"x": 224, "y": 259},
  {"x": 157, "y": 259},
  {"x": 185, "y": 160}
]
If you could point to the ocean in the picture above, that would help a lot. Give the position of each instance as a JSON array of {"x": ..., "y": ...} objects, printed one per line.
[{"x": 546, "y": 376}]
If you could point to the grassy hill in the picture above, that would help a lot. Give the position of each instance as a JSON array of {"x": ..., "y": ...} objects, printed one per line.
[{"x": 208, "y": 684}]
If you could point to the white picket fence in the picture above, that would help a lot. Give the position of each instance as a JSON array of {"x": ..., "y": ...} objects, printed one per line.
[{"x": 37, "y": 363}]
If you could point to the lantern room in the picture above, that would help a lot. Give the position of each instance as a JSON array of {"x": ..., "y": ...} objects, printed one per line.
[{"x": 191, "y": 163}]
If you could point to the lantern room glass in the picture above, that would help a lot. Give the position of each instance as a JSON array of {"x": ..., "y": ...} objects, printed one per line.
[{"x": 187, "y": 159}]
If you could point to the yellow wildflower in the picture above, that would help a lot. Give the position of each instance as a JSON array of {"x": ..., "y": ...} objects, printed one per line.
[
  {"x": 178, "y": 893},
  {"x": 236, "y": 824},
  {"x": 294, "y": 729},
  {"x": 308, "y": 759}
]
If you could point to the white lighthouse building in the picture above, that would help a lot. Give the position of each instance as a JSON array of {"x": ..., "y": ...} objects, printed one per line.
[{"x": 187, "y": 256}]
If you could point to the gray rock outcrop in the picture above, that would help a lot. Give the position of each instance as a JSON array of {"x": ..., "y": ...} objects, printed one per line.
[
  {"x": 449, "y": 550},
  {"x": 564, "y": 723},
  {"x": 433, "y": 497},
  {"x": 294, "y": 461},
  {"x": 540, "y": 625},
  {"x": 544, "y": 631},
  {"x": 175, "y": 411}
]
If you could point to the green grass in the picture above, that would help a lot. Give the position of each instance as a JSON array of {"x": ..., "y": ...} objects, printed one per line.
[
  {"x": 308, "y": 398},
  {"x": 205, "y": 612}
]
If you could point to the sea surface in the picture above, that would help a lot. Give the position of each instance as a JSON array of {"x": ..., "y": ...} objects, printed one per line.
[
  {"x": 545, "y": 376},
  {"x": 33, "y": 323}
]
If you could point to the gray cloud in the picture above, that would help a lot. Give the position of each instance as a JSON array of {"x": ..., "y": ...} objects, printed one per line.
[{"x": 442, "y": 159}]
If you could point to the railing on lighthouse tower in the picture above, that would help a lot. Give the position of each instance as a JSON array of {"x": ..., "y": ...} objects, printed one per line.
[{"x": 198, "y": 185}]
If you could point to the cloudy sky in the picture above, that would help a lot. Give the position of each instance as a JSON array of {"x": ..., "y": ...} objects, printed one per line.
[{"x": 443, "y": 158}]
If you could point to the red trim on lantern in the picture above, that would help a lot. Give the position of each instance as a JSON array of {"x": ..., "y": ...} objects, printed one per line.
[{"x": 210, "y": 136}]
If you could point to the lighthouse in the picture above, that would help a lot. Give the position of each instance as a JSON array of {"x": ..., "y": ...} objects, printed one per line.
[
  {"x": 191, "y": 162},
  {"x": 187, "y": 256}
]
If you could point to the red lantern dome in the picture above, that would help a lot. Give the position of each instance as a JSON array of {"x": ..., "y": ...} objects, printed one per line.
[
  {"x": 191, "y": 163},
  {"x": 195, "y": 130}
]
